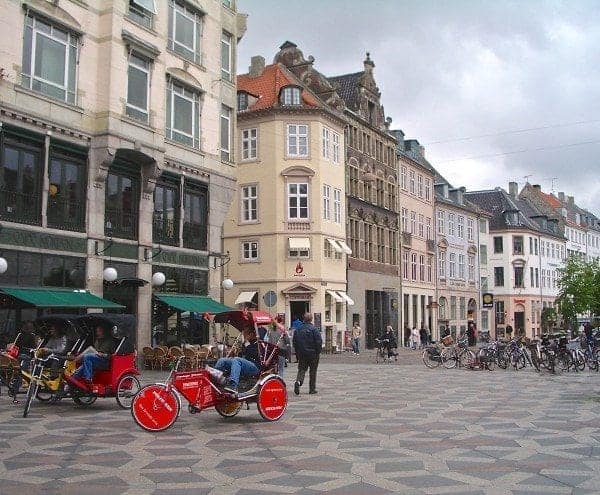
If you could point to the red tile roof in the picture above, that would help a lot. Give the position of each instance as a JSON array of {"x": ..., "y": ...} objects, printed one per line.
[
  {"x": 551, "y": 200},
  {"x": 267, "y": 86}
]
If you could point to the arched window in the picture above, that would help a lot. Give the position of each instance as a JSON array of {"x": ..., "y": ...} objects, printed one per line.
[{"x": 290, "y": 95}]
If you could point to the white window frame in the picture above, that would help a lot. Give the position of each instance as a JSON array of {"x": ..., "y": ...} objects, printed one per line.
[
  {"x": 451, "y": 224},
  {"x": 421, "y": 225},
  {"x": 298, "y": 195},
  {"x": 441, "y": 228},
  {"x": 461, "y": 226},
  {"x": 420, "y": 186},
  {"x": 442, "y": 264},
  {"x": 325, "y": 142},
  {"x": 404, "y": 217},
  {"x": 250, "y": 144},
  {"x": 428, "y": 228},
  {"x": 250, "y": 251},
  {"x": 249, "y": 203},
  {"x": 326, "y": 202},
  {"x": 179, "y": 8},
  {"x": 177, "y": 90},
  {"x": 294, "y": 132},
  {"x": 291, "y": 96},
  {"x": 403, "y": 177},
  {"x": 226, "y": 114},
  {"x": 427, "y": 189},
  {"x": 470, "y": 227},
  {"x": 146, "y": 68},
  {"x": 335, "y": 148},
  {"x": 226, "y": 44},
  {"x": 72, "y": 41},
  {"x": 411, "y": 175},
  {"x": 452, "y": 265},
  {"x": 337, "y": 206},
  {"x": 461, "y": 266}
]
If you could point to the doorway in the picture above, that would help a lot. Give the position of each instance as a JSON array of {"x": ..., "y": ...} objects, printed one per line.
[
  {"x": 519, "y": 323},
  {"x": 298, "y": 308}
]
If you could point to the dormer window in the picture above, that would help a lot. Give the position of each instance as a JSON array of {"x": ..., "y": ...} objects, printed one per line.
[
  {"x": 290, "y": 96},
  {"x": 242, "y": 101},
  {"x": 512, "y": 217}
]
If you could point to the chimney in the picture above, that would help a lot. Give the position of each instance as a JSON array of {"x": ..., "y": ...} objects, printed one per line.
[
  {"x": 399, "y": 135},
  {"x": 571, "y": 200},
  {"x": 513, "y": 189},
  {"x": 537, "y": 187},
  {"x": 368, "y": 64},
  {"x": 257, "y": 65},
  {"x": 561, "y": 197}
]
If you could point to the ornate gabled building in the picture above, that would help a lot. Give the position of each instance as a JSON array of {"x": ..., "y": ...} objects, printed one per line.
[
  {"x": 372, "y": 204},
  {"x": 286, "y": 229}
]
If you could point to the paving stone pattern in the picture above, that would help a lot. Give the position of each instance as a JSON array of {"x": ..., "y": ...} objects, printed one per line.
[{"x": 372, "y": 429}]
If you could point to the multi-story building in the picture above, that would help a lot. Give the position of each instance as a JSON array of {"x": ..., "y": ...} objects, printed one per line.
[
  {"x": 527, "y": 249},
  {"x": 459, "y": 253},
  {"x": 372, "y": 204},
  {"x": 417, "y": 253},
  {"x": 117, "y": 148},
  {"x": 286, "y": 229}
]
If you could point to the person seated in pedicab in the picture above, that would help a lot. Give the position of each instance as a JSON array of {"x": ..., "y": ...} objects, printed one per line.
[
  {"x": 56, "y": 344},
  {"x": 248, "y": 364},
  {"x": 104, "y": 346}
]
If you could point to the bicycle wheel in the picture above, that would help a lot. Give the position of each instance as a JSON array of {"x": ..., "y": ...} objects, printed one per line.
[
  {"x": 449, "y": 358},
  {"x": 578, "y": 361},
  {"x": 431, "y": 358},
  {"x": 467, "y": 358},
  {"x": 155, "y": 407},
  {"x": 593, "y": 363},
  {"x": 535, "y": 361},
  {"x": 127, "y": 388},
  {"x": 502, "y": 360},
  {"x": 563, "y": 361},
  {"x": 31, "y": 393}
]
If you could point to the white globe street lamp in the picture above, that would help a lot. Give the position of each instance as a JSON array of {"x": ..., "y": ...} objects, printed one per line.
[
  {"x": 3, "y": 265},
  {"x": 227, "y": 284},
  {"x": 110, "y": 274},
  {"x": 158, "y": 279}
]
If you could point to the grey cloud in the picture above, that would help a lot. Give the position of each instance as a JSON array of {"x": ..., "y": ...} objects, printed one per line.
[{"x": 451, "y": 69}]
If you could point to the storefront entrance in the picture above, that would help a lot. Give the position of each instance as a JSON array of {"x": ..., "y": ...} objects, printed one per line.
[{"x": 298, "y": 308}]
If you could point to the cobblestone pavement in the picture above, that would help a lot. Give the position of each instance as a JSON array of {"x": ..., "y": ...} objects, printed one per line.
[{"x": 372, "y": 429}]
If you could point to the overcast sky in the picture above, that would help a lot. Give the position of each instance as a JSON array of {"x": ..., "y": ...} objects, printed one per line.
[{"x": 450, "y": 70}]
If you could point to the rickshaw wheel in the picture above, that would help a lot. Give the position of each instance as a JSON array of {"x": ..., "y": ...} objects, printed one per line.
[
  {"x": 31, "y": 392},
  {"x": 43, "y": 395},
  {"x": 228, "y": 409},
  {"x": 84, "y": 400},
  {"x": 127, "y": 388},
  {"x": 272, "y": 399},
  {"x": 155, "y": 408}
]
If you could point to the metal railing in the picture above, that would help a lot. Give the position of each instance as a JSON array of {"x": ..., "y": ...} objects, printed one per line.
[
  {"x": 298, "y": 226},
  {"x": 16, "y": 206},
  {"x": 121, "y": 224},
  {"x": 66, "y": 214},
  {"x": 165, "y": 230},
  {"x": 195, "y": 236}
]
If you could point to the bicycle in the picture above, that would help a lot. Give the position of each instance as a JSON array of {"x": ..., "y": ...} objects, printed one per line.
[
  {"x": 458, "y": 354},
  {"x": 432, "y": 356}
]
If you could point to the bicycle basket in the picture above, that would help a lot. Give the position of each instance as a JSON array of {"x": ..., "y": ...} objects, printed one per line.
[{"x": 448, "y": 340}]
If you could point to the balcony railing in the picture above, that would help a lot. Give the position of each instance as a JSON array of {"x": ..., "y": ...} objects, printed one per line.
[
  {"x": 303, "y": 226},
  {"x": 121, "y": 224},
  {"x": 19, "y": 207},
  {"x": 165, "y": 230},
  {"x": 195, "y": 236},
  {"x": 66, "y": 214}
]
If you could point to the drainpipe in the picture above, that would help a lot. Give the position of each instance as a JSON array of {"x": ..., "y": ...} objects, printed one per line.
[{"x": 46, "y": 179}]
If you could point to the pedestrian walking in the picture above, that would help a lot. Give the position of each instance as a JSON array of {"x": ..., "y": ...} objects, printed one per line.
[
  {"x": 415, "y": 340},
  {"x": 423, "y": 336},
  {"x": 308, "y": 344},
  {"x": 356, "y": 334},
  {"x": 279, "y": 336},
  {"x": 406, "y": 336}
]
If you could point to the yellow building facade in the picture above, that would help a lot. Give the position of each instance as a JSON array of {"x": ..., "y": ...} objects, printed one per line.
[{"x": 285, "y": 231}]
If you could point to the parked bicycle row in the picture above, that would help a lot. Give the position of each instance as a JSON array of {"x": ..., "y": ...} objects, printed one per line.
[{"x": 552, "y": 354}]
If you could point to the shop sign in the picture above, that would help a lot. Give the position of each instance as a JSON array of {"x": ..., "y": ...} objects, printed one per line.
[
  {"x": 488, "y": 300},
  {"x": 299, "y": 270},
  {"x": 41, "y": 240}
]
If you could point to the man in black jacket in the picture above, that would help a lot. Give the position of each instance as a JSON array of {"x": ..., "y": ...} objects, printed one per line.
[{"x": 307, "y": 343}]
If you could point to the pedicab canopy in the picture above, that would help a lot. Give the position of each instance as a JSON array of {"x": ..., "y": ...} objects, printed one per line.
[
  {"x": 41, "y": 297},
  {"x": 118, "y": 325},
  {"x": 239, "y": 319}
]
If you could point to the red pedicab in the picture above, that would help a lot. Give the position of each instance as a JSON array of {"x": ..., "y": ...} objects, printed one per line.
[
  {"x": 157, "y": 406},
  {"x": 120, "y": 378}
]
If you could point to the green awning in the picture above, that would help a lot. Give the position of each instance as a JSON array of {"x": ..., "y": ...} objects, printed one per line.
[
  {"x": 16, "y": 297},
  {"x": 193, "y": 304}
]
